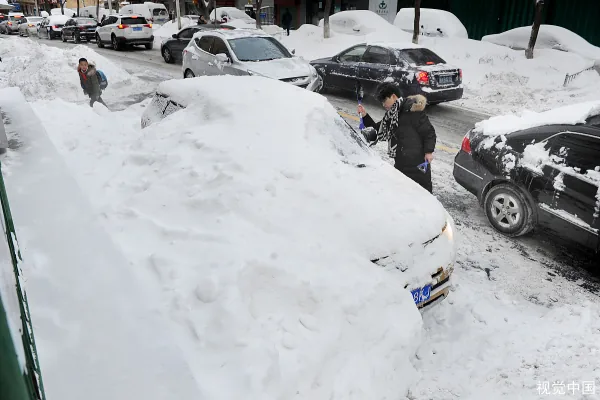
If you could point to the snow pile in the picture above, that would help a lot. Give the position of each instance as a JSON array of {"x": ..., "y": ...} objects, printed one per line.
[
  {"x": 433, "y": 23},
  {"x": 44, "y": 72},
  {"x": 170, "y": 28},
  {"x": 231, "y": 13},
  {"x": 496, "y": 79},
  {"x": 364, "y": 22},
  {"x": 258, "y": 243},
  {"x": 549, "y": 37},
  {"x": 568, "y": 115}
]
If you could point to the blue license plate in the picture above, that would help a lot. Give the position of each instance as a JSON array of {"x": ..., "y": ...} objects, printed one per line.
[
  {"x": 137, "y": 28},
  {"x": 422, "y": 294}
]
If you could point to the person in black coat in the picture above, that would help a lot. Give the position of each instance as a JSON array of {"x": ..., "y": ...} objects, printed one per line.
[
  {"x": 405, "y": 126},
  {"x": 286, "y": 19}
]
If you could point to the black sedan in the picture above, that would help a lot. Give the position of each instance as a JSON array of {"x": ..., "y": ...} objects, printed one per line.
[
  {"x": 416, "y": 70},
  {"x": 172, "y": 48},
  {"x": 77, "y": 29},
  {"x": 545, "y": 176}
]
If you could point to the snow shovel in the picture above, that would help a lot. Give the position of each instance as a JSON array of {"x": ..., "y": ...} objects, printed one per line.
[{"x": 423, "y": 167}]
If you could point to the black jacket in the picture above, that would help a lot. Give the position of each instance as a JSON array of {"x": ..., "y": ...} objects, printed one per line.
[{"x": 415, "y": 135}]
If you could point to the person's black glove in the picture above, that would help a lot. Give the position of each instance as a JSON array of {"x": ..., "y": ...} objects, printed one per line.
[{"x": 370, "y": 135}]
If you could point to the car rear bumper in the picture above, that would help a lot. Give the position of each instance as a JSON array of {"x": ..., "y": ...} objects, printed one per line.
[
  {"x": 125, "y": 40},
  {"x": 12, "y": 29},
  {"x": 469, "y": 174},
  {"x": 442, "y": 95}
]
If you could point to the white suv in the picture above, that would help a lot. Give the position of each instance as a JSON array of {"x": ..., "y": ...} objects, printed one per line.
[{"x": 120, "y": 30}]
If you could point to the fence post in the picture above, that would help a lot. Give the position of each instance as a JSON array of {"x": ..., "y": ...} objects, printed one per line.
[{"x": 32, "y": 376}]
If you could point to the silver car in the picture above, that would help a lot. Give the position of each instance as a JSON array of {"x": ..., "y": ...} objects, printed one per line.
[
  {"x": 29, "y": 26},
  {"x": 11, "y": 24},
  {"x": 246, "y": 52}
]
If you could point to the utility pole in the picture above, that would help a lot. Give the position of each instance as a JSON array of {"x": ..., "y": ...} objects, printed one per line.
[
  {"x": 109, "y": 7},
  {"x": 37, "y": 10},
  {"x": 178, "y": 14}
]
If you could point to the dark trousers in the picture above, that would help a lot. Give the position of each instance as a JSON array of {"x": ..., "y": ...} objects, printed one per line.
[
  {"x": 287, "y": 28},
  {"x": 97, "y": 99},
  {"x": 423, "y": 179}
]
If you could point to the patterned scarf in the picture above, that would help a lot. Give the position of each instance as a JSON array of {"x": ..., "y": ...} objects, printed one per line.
[{"x": 388, "y": 126}]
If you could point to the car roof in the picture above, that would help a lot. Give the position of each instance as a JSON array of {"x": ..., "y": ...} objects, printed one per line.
[
  {"x": 231, "y": 33},
  {"x": 396, "y": 45},
  {"x": 548, "y": 130}
]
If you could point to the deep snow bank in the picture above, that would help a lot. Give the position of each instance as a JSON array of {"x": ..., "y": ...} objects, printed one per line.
[
  {"x": 433, "y": 22},
  {"x": 496, "y": 78},
  {"x": 257, "y": 236},
  {"x": 44, "y": 72},
  {"x": 549, "y": 37}
]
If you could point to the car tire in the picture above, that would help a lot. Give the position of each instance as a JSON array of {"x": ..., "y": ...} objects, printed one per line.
[
  {"x": 77, "y": 38},
  {"x": 149, "y": 46},
  {"x": 508, "y": 210},
  {"x": 167, "y": 55},
  {"x": 188, "y": 74},
  {"x": 99, "y": 42},
  {"x": 115, "y": 43},
  {"x": 63, "y": 37}
]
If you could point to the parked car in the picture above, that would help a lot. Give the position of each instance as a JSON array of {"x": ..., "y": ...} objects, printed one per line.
[
  {"x": 64, "y": 11},
  {"x": 51, "y": 27},
  {"x": 542, "y": 174},
  {"x": 121, "y": 30},
  {"x": 155, "y": 13},
  {"x": 246, "y": 52},
  {"x": 172, "y": 48},
  {"x": 11, "y": 24},
  {"x": 79, "y": 28},
  {"x": 29, "y": 26},
  {"x": 417, "y": 70}
]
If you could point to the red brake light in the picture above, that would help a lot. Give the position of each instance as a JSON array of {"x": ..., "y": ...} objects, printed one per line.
[
  {"x": 9, "y": 23},
  {"x": 423, "y": 78},
  {"x": 121, "y": 26},
  {"x": 148, "y": 25},
  {"x": 460, "y": 73},
  {"x": 430, "y": 63},
  {"x": 466, "y": 144},
  {"x": 54, "y": 26}
]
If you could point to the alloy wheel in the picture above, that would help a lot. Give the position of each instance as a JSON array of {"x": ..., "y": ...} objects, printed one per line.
[{"x": 506, "y": 210}]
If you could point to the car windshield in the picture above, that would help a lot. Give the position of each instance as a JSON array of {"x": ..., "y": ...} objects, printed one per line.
[
  {"x": 159, "y": 11},
  {"x": 421, "y": 57},
  {"x": 86, "y": 21},
  {"x": 34, "y": 19},
  {"x": 133, "y": 21},
  {"x": 15, "y": 18},
  {"x": 258, "y": 49}
]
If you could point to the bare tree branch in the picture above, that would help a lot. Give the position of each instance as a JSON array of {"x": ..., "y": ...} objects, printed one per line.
[{"x": 535, "y": 29}]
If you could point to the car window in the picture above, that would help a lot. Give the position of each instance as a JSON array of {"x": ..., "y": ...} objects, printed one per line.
[
  {"x": 204, "y": 43},
  {"x": 421, "y": 57},
  {"x": 186, "y": 34},
  {"x": 110, "y": 21},
  {"x": 85, "y": 21},
  {"x": 258, "y": 49},
  {"x": 133, "y": 20},
  {"x": 376, "y": 55},
  {"x": 353, "y": 55},
  {"x": 578, "y": 150},
  {"x": 219, "y": 46},
  {"x": 159, "y": 11}
]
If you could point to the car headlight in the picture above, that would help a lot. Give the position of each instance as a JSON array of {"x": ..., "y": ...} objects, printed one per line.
[{"x": 448, "y": 229}]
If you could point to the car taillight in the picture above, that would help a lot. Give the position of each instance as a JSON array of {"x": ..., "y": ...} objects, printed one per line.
[
  {"x": 148, "y": 25},
  {"x": 423, "y": 78},
  {"x": 10, "y": 23},
  {"x": 30, "y": 25},
  {"x": 82, "y": 28},
  {"x": 466, "y": 144},
  {"x": 54, "y": 26},
  {"x": 460, "y": 73},
  {"x": 121, "y": 26}
]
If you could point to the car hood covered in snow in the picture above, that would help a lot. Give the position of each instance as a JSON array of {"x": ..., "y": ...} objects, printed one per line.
[{"x": 281, "y": 68}]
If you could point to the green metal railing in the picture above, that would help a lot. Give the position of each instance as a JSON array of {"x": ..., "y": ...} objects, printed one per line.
[{"x": 17, "y": 383}]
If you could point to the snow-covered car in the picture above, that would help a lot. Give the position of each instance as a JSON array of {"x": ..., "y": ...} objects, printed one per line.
[
  {"x": 537, "y": 170},
  {"x": 124, "y": 30},
  {"x": 229, "y": 14},
  {"x": 172, "y": 48},
  {"x": 364, "y": 22},
  {"x": 246, "y": 52},
  {"x": 51, "y": 27},
  {"x": 419, "y": 238},
  {"x": 433, "y": 22},
  {"x": 65, "y": 11},
  {"x": 549, "y": 37},
  {"x": 416, "y": 70},
  {"x": 29, "y": 26}
]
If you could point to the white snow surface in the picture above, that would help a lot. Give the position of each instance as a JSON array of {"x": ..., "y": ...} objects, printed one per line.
[
  {"x": 549, "y": 37},
  {"x": 66, "y": 12},
  {"x": 433, "y": 22},
  {"x": 364, "y": 22},
  {"x": 170, "y": 28},
  {"x": 256, "y": 239},
  {"x": 44, "y": 72},
  {"x": 496, "y": 79},
  {"x": 573, "y": 114},
  {"x": 231, "y": 13}
]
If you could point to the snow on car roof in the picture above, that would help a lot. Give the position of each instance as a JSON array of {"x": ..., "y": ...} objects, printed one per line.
[
  {"x": 572, "y": 114},
  {"x": 396, "y": 45},
  {"x": 233, "y": 33}
]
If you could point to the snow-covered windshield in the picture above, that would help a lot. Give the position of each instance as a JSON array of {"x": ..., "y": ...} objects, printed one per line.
[
  {"x": 421, "y": 57},
  {"x": 258, "y": 49}
]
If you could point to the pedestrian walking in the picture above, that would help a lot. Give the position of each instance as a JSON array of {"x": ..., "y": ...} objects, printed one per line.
[
  {"x": 90, "y": 83},
  {"x": 405, "y": 126},
  {"x": 286, "y": 19}
]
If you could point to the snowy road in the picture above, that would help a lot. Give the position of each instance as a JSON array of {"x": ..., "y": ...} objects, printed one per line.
[{"x": 522, "y": 312}]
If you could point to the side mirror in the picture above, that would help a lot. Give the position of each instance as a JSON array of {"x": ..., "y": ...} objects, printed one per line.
[
  {"x": 174, "y": 36},
  {"x": 222, "y": 58},
  {"x": 293, "y": 51}
]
